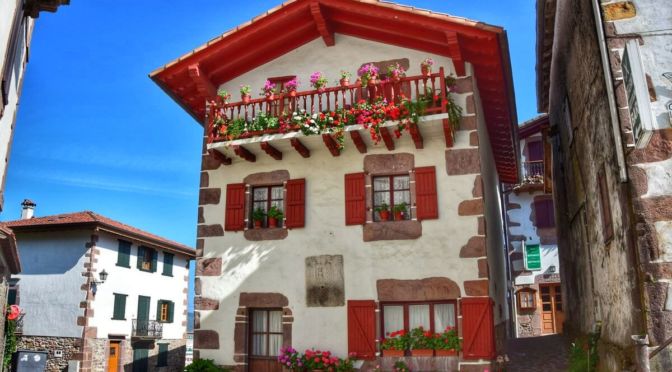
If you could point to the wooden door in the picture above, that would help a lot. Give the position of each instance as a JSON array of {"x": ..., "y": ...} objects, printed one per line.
[
  {"x": 142, "y": 328},
  {"x": 552, "y": 314},
  {"x": 265, "y": 340},
  {"x": 113, "y": 357},
  {"x": 140, "y": 360}
]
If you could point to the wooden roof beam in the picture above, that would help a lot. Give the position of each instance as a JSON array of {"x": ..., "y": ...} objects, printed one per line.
[
  {"x": 244, "y": 153},
  {"x": 416, "y": 136},
  {"x": 359, "y": 142},
  {"x": 322, "y": 24},
  {"x": 331, "y": 144},
  {"x": 448, "y": 133},
  {"x": 455, "y": 51},
  {"x": 221, "y": 158},
  {"x": 387, "y": 138},
  {"x": 200, "y": 77},
  {"x": 300, "y": 147},
  {"x": 271, "y": 151}
]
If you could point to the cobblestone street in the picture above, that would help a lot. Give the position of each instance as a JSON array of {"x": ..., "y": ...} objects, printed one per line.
[{"x": 534, "y": 354}]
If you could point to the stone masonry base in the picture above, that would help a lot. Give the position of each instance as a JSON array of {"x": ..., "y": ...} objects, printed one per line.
[{"x": 71, "y": 347}]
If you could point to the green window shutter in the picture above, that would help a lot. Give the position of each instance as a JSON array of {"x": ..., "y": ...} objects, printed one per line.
[
  {"x": 158, "y": 310},
  {"x": 141, "y": 255},
  {"x": 155, "y": 256},
  {"x": 119, "y": 311},
  {"x": 162, "y": 360},
  {"x": 171, "y": 308},
  {"x": 124, "y": 256},
  {"x": 168, "y": 264},
  {"x": 532, "y": 257}
]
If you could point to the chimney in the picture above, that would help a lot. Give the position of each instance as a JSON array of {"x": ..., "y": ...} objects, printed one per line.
[{"x": 27, "y": 209}]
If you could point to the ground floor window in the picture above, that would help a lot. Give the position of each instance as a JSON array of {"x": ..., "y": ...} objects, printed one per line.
[
  {"x": 432, "y": 316},
  {"x": 266, "y": 332}
]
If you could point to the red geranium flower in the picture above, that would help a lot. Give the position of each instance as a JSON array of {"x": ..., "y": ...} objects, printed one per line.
[{"x": 14, "y": 312}]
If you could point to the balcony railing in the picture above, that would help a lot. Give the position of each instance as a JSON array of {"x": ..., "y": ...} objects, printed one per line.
[
  {"x": 147, "y": 328},
  {"x": 533, "y": 169},
  {"x": 432, "y": 88}
]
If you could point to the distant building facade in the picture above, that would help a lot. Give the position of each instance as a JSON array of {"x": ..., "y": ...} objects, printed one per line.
[
  {"x": 605, "y": 80},
  {"x": 533, "y": 251},
  {"x": 100, "y": 294}
]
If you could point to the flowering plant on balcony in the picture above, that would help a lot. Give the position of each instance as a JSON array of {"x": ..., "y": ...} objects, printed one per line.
[
  {"x": 344, "y": 79},
  {"x": 245, "y": 90},
  {"x": 399, "y": 340},
  {"x": 291, "y": 85},
  {"x": 318, "y": 80},
  {"x": 447, "y": 340},
  {"x": 316, "y": 359},
  {"x": 368, "y": 73},
  {"x": 426, "y": 66},
  {"x": 269, "y": 89},
  {"x": 290, "y": 359},
  {"x": 421, "y": 339},
  {"x": 224, "y": 95},
  {"x": 395, "y": 71}
]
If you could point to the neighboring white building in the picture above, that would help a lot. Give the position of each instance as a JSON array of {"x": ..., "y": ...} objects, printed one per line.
[
  {"x": 533, "y": 251},
  {"x": 336, "y": 273},
  {"x": 103, "y": 293}
]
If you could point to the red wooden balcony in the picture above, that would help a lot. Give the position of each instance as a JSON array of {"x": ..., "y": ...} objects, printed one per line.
[{"x": 431, "y": 88}]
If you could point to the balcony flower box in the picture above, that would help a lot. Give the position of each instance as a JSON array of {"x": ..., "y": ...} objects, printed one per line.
[
  {"x": 422, "y": 352},
  {"x": 393, "y": 353},
  {"x": 444, "y": 353}
]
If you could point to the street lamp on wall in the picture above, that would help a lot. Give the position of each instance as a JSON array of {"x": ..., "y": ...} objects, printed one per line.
[{"x": 94, "y": 283}]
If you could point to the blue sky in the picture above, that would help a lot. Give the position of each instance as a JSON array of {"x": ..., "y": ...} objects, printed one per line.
[{"x": 94, "y": 133}]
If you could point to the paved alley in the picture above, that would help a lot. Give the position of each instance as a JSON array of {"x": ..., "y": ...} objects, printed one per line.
[{"x": 534, "y": 354}]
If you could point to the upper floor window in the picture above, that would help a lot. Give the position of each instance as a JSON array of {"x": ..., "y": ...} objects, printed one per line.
[
  {"x": 544, "y": 213},
  {"x": 432, "y": 316},
  {"x": 124, "y": 254},
  {"x": 164, "y": 311},
  {"x": 266, "y": 202},
  {"x": 147, "y": 259},
  {"x": 392, "y": 198},
  {"x": 526, "y": 299},
  {"x": 168, "y": 264}
]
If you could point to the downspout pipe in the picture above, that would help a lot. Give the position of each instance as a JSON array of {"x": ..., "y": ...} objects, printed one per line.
[{"x": 606, "y": 67}]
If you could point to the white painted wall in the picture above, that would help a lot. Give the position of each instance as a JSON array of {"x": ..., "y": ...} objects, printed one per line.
[
  {"x": 134, "y": 282},
  {"x": 348, "y": 54},
  {"x": 50, "y": 282},
  {"x": 7, "y": 10}
]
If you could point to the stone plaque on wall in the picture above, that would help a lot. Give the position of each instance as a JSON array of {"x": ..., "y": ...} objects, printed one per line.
[{"x": 324, "y": 281}]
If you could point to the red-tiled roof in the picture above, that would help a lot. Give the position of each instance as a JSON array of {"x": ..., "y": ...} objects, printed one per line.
[
  {"x": 69, "y": 220},
  {"x": 192, "y": 79}
]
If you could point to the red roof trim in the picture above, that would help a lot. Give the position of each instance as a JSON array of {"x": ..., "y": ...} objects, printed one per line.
[
  {"x": 94, "y": 220},
  {"x": 284, "y": 29}
]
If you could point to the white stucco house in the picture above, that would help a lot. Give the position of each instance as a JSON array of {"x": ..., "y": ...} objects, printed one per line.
[
  {"x": 335, "y": 271},
  {"x": 536, "y": 295},
  {"x": 100, "y": 294}
]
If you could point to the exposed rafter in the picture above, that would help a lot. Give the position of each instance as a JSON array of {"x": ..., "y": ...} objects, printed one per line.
[
  {"x": 455, "y": 50},
  {"x": 204, "y": 86},
  {"x": 416, "y": 136},
  {"x": 223, "y": 159},
  {"x": 448, "y": 133},
  {"x": 271, "y": 151},
  {"x": 322, "y": 24},
  {"x": 300, "y": 148},
  {"x": 331, "y": 144},
  {"x": 387, "y": 138},
  {"x": 244, "y": 153},
  {"x": 358, "y": 141}
]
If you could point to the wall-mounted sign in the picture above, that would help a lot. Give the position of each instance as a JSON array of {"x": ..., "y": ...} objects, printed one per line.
[{"x": 637, "y": 94}]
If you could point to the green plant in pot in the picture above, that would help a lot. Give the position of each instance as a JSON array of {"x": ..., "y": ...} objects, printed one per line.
[
  {"x": 383, "y": 211},
  {"x": 258, "y": 216},
  {"x": 400, "y": 211},
  {"x": 395, "y": 344},
  {"x": 421, "y": 342},
  {"x": 447, "y": 343},
  {"x": 274, "y": 215}
]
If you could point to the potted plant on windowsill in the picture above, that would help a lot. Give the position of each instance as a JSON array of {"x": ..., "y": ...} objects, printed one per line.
[
  {"x": 383, "y": 211},
  {"x": 447, "y": 343},
  {"x": 421, "y": 342},
  {"x": 400, "y": 211},
  {"x": 274, "y": 215},
  {"x": 395, "y": 344},
  {"x": 258, "y": 217}
]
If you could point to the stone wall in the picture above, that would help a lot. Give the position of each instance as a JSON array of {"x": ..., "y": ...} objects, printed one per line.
[
  {"x": 176, "y": 354},
  {"x": 70, "y": 346}
]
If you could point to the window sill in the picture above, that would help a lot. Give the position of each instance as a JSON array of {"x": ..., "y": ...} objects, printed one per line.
[
  {"x": 170, "y": 275},
  {"x": 392, "y": 230},
  {"x": 118, "y": 318},
  {"x": 146, "y": 270},
  {"x": 124, "y": 266},
  {"x": 266, "y": 234}
]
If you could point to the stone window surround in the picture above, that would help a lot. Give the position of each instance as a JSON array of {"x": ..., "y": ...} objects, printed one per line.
[
  {"x": 385, "y": 165},
  {"x": 273, "y": 178}
]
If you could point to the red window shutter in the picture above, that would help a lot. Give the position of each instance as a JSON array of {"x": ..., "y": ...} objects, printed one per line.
[
  {"x": 295, "y": 203},
  {"x": 235, "y": 207},
  {"x": 478, "y": 331},
  {"x": 362, "y": 329},
  {"x": 544, "y": 213},
  {"x": 427, "y": 206},
  {"x": 355, "y": 199}
]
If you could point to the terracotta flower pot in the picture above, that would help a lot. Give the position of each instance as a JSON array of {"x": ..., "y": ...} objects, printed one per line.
[
  {"x": 426, "y": 70},
  {"x": 451, "y": 352},
  {"x": 272, "y": 222},
  {"x": 373, "y": 80},
  {"x": 257, "y": 224},
  {"x": 422, "y": 352},
  {"x": 270, "y": 96},
  {"x": 321, "y": 89},
  {"x": 245, "y": 98},
  {"x": 398, "y": 216},
  {"x": 384, "y": 215},
  {"x": 344, "y": 82},
  {"x": 393, "y": 353},
  {"x": 292, "y": 93}
]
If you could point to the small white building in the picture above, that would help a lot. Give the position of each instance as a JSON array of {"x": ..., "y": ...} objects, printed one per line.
[
  {"x": 101, "y": 294},
  {"x": 533, "y": 249}
]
